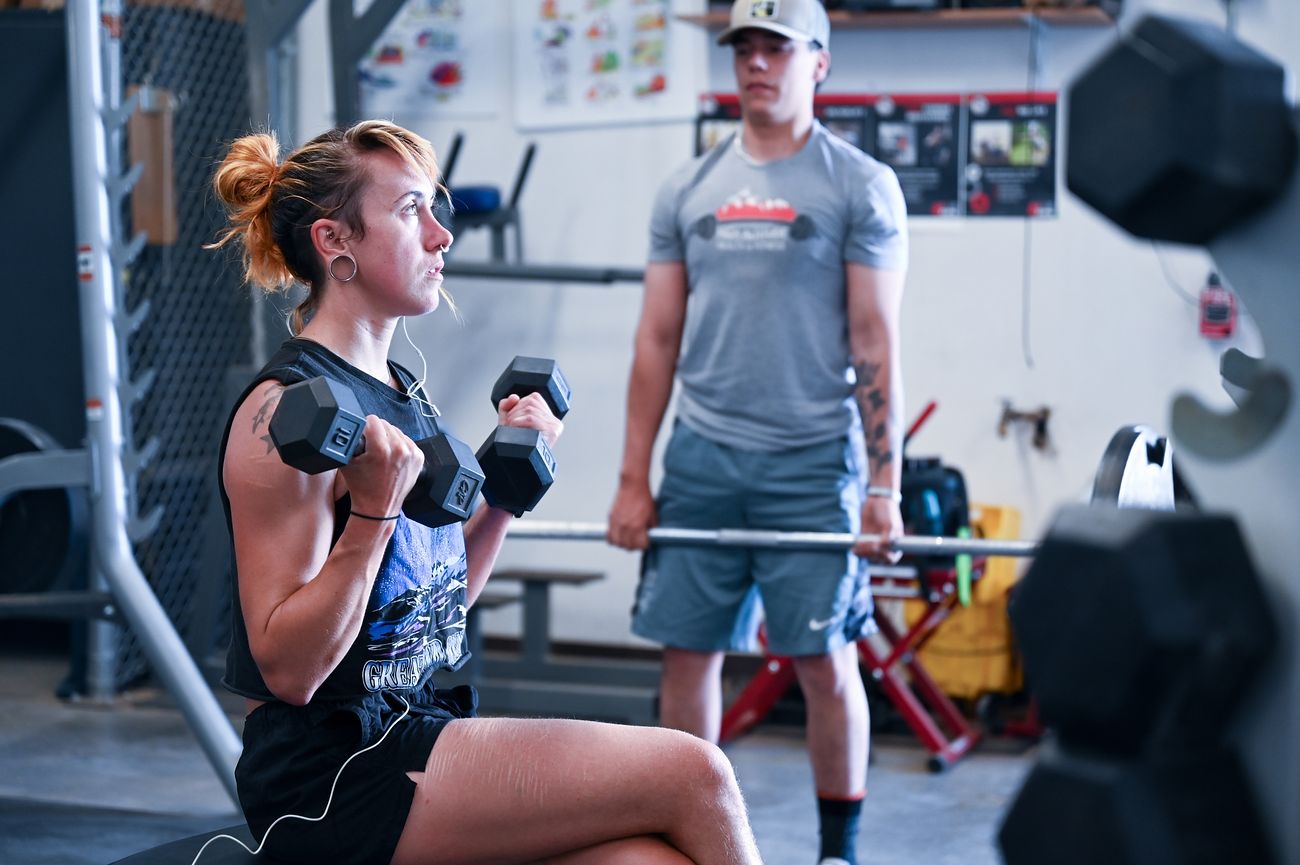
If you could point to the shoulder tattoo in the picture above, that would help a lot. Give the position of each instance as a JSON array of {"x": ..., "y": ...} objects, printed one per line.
[{"x": 262, "y": 419}]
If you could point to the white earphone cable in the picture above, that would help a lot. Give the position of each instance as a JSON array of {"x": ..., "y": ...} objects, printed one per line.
[
  {"x": 415, "y": 386},
  {"x": 333, "y": 787}
]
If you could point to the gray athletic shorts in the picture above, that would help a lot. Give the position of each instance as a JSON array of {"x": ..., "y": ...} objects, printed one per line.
[{"x": 714, "y": 598}]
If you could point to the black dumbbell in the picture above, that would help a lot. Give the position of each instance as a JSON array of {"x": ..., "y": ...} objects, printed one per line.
[
  {"x": 1082, "y": 808},
  {"x": 517, "y": 464},
  {"x": 319, "y": 426},
  {"x": 1180, "y": 131},
  {"x": 1141, "y": 629}
]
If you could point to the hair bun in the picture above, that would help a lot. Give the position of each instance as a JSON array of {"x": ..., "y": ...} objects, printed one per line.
[
  {"x": 245, "y": 182},
  {"x": 247, "y": 174}
]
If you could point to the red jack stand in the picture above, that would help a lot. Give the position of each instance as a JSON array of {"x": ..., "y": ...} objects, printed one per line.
[{"x": 899, "y": 673}]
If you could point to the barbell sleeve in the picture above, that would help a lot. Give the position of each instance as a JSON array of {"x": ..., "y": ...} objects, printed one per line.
[{"x": 925, "y": 545}]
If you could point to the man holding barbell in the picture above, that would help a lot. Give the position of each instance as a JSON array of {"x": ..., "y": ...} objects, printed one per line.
[{"x": 776, "y": 272}]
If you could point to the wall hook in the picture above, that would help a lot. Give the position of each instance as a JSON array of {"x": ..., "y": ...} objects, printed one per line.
[{"x": 1036, "y": 419}]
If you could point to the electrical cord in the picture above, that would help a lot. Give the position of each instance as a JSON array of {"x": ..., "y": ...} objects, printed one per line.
[
  {"x": 1026, "y": 262},
  {"x": 1185, "y": 295}
]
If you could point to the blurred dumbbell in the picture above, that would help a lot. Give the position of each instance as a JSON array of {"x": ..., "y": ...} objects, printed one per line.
[
  {"x": 1194, "y": 808},
  {"x": 1180, "y": 131},
  {"x": 319, "y": 426},
  {"x": 1141, "y": 629},
  {"x": 518, "y": 466}
]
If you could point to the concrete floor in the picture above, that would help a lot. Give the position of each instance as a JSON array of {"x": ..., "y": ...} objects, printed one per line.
[{"x": 87, "y": 785}]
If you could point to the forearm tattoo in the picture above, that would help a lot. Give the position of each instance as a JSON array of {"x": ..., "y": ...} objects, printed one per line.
[
  {"x": 879, "y": 418},
  {"x": 262, "y": 420}
]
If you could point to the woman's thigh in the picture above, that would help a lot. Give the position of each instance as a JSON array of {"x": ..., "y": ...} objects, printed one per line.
[
  {"x": 642, "y": 850},
  {"x": 510, "y": 790}
]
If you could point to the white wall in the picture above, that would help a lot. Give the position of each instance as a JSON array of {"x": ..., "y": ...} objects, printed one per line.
[{"x": 1110, "y": 339}]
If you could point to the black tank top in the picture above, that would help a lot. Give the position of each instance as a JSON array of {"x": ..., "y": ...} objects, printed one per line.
[{"x": 415, "y": 622}]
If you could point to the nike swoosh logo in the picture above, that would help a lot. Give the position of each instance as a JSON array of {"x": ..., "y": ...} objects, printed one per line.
[{"x": 823, "y": 624}]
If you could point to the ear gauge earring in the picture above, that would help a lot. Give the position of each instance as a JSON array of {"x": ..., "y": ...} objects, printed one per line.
[{"x": 335, "y": 260}]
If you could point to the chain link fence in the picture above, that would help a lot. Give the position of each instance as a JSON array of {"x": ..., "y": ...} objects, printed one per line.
[{"x": 191, "y": 58}]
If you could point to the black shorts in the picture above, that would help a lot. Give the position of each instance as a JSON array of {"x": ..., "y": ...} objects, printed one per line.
[{"x": 292, "y": 753}]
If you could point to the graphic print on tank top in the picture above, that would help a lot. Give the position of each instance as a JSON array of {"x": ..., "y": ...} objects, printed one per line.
[
  {"x": 747, "y": 223},
  {"x": 417, "y": 616}
]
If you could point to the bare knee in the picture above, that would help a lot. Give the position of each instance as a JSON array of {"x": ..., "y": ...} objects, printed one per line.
[
  {"x": 702, "y": 769},
  {"x": 715, "y": 768}
]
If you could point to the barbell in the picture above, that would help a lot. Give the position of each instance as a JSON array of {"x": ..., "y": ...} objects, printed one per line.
[
  {"x": 1136, "y": 470},
  {"x": 925, "y": 545}
]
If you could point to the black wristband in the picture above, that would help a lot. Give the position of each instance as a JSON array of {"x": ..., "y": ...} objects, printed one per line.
[{"x": 376, "y": 519}]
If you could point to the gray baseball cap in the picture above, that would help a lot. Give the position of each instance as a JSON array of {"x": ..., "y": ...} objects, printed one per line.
[{"x": 794, "y": 19}]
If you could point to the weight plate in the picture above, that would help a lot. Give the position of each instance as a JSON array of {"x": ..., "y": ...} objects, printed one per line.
[
  {"x": 43, "y": 533},
  {"x": 1136, "y": 471}
]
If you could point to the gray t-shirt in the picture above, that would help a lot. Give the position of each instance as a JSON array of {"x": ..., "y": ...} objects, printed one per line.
[{"x": 765, "y": 358}]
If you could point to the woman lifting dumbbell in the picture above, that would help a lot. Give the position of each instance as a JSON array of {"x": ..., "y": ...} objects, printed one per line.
[{"x": 345, "y": 607}]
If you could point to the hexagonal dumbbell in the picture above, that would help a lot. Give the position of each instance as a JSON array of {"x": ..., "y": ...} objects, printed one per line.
[
  {"x": 1140, "y": 628},
  {"x": 319, "y": 425},
  {"x": 1179, "y": 131},
  {"x": 1189, "y": 809},
  {"x": 517, "y": 463}
]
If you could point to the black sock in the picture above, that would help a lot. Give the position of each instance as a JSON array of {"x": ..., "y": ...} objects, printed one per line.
[{"x": 839, "y": 827}]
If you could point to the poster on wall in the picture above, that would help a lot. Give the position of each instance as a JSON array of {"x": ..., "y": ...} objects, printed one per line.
[
  {"x": 1011, "y": 161},
  {"x": 596, "y": 62},
  {"x": 436, "y": 59},
  {"x": 919, "y": 137},
  {"x": 845, "y": 115},
  {"x": 718, "y": 117}
]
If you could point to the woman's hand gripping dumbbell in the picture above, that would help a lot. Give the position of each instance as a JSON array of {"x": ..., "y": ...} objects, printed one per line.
[
  {"x": 319, "y": 426},
  {"x": 531, "y": 398}
]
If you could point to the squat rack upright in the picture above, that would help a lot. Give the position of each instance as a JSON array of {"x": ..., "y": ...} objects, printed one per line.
[{"x": 100, "y": 467}]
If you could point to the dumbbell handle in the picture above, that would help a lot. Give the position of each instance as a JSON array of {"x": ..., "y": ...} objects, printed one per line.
[
  {"x": 361, "y": 445},
  {"x": 526, "y": 375},
  {"x": 760, "y": 539}
]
